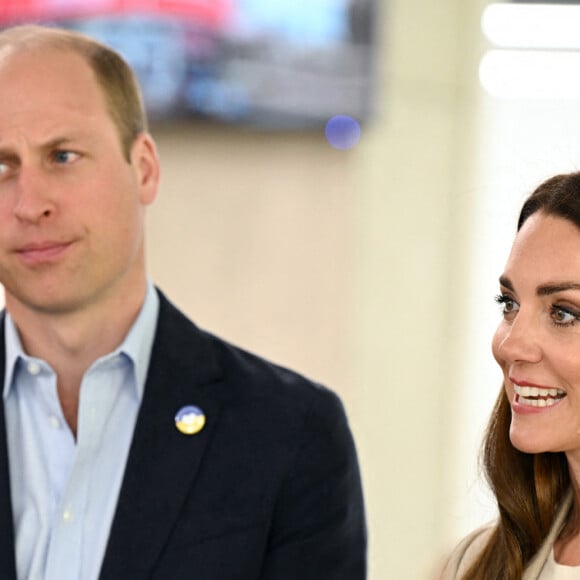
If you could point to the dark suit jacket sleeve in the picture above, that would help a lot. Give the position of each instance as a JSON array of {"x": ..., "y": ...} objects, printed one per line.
[{"x": 318, "y": 529}]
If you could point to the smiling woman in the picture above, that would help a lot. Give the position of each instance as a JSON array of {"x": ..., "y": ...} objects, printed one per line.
[
  {"x": 537, "y": 343},
  {"x": 532, "y": 445}
]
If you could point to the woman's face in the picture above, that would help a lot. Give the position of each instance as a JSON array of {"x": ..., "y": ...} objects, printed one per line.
[{"x": 537, "y": 343}]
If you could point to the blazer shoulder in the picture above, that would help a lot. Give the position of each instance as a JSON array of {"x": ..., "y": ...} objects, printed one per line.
[
  {"x": 245, "y": 376},
  {"x": 465, "y": 553},
  {"x": 256, "y": 376}
]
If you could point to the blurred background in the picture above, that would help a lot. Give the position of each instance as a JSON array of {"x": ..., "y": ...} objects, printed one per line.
[{"x": 365, "y": 254}]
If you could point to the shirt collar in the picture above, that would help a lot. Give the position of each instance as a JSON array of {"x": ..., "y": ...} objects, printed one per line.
[
  {"x": 137, "y": 344},
  {"x": 14, "y": 351}
]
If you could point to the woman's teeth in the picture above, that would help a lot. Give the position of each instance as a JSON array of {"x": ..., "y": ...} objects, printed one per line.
[{"x": 538, "y": 396}]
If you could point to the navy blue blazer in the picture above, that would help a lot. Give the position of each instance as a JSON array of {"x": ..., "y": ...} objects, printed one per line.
[{"x": 268, "y": 490}]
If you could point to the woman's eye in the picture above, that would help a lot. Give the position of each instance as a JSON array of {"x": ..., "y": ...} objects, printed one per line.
[
  {"x": 563, "y": 317},
  {"x": 508, "y": 305}
]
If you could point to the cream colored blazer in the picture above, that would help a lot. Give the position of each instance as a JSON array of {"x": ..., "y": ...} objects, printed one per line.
[{"x": 469, "y": 548}]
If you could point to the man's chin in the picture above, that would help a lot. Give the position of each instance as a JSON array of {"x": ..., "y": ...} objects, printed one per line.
[{"x": 43, "y": 303}]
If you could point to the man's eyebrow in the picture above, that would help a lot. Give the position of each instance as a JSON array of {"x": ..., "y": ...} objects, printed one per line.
[
  {"x": 8, "y": 155},
  {"x": 57, "y": 142},
  {"x": 7, "y": 152}
]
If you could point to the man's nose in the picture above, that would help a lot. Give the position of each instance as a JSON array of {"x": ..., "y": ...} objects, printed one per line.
[{"x": 33, "y": 199}]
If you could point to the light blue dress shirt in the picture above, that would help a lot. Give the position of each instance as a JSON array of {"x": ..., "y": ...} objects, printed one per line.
[{"x": 64, "y": 492}]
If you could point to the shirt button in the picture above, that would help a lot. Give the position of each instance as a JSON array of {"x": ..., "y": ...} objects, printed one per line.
[
  {"x": 67, "y": 515},
  {"x": 55, "y": 421},
  {"x": 33, "y": 368}
]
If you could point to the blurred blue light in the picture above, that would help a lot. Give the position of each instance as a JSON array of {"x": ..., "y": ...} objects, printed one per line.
[{"x": 342, "y": 132}]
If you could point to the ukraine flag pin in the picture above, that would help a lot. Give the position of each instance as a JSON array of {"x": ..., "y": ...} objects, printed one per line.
[{"x": 190, "y": 420}]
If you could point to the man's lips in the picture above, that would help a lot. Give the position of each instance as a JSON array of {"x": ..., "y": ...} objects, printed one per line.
[{"x": 36, "y": 253}]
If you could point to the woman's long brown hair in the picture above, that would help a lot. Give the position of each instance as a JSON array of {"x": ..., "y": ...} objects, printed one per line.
[{"x": 529, "y": 490}]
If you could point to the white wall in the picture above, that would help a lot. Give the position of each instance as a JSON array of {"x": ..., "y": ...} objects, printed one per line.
[
  {"x": 350, "y": 265},
  {"x": 375, "y": 270}
]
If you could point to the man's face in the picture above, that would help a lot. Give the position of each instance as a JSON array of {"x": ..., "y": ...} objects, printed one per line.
[{"x": 71, "y": 206}]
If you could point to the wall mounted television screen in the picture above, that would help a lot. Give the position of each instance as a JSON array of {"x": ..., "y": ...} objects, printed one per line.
[{"x": 272, "y": 64}]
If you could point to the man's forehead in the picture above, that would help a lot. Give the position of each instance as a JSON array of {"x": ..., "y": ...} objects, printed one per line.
[
  {"x": 39, "y": 54},
  {"x": 7, "y": 53},
  {"x": 50, "y": 139},
  {"x": 46, "y": 73}
]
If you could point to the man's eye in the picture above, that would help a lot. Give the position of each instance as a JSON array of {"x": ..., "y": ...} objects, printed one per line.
[
  {"x": 64, "y": 157},
  {"x": 5, "y": 169}
]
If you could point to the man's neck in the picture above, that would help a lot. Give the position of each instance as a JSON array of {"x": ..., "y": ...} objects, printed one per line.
[{"x": 71, "y": 342}]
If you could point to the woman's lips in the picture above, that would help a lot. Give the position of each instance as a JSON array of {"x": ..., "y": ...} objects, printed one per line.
[{"x": 534, "y": 399}]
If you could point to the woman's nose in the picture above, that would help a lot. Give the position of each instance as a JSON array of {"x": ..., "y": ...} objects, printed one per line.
[{"x": 517, "y": 341}]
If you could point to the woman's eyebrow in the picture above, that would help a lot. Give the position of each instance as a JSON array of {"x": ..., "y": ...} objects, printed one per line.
[
  {"x": 545, "y": 289},
  {"x": 548, "y": 289},
  {"x": 506, "y": 283}
]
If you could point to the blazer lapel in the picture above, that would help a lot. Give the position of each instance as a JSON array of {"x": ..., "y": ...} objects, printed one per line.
[
  {"x": 7, "y": 560},
  {"x": 162, "y": 462},
  {"x": 534, "y": 568}
]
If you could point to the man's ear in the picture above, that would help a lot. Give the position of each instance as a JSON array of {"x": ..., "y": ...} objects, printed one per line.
[{"x": 145, "y": 160}]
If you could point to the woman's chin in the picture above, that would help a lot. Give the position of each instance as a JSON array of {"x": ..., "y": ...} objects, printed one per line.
[{"x": 530, "y": 443}]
